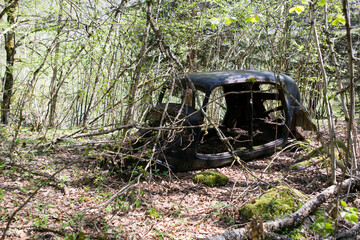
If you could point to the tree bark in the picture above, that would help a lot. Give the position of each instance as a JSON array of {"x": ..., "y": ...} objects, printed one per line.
[
  {"x": 294, "y": 219},
  {"x": 325, "y": 97},
  {"x": 10, "y": 55},
  {"x": 53, "y": 85},
  {"x": 8, "y": 5},
  {"x": 352, "y": 136}
]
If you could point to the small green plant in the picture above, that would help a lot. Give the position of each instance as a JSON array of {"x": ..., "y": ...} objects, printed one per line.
[
  {"x": 122, "y": 205},
  {"x": 106, "y": 228},
  {"x": 155, "y": 214},
  {"x": 109, "y": 208},
  {"x": 64, "y": 177},
  {"x": 161, "y": 235},
  {"x": 323, "y": 226},
  {"x": 70, "y": 236},
  {"x": 350, "y": 213},
  {"x": 1, "y": 194},
  {"x": 42, "y": 221},
  {"x": 83, "y": 199},
  {"x": 177, "y": 210},
  {"x": 224, "y": 212},
  {"x": 137, "y": 203}
]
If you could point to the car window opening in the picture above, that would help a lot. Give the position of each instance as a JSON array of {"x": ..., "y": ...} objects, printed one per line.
[{"x": 248, "y": 114}]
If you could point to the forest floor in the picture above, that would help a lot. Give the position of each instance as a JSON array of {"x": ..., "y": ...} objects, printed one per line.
[{"x": 86, "y": 200}]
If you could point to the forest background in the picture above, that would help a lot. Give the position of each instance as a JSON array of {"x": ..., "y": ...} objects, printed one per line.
[{"x": 75, "y": 69}]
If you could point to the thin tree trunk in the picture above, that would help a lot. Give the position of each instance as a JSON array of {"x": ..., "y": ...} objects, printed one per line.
[
  {"x": 136, "y": 79},
  {"x": 53, "y": 85},
  {"x": 351, "y": 131},
  {"x": 326, "y": 100},
  {"x": 89, "y": 107},
  {"x": 10, "y": 55},
  {"x": 330, "y": 42}
]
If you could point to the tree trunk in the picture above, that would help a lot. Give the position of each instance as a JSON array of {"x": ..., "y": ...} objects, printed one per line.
[
  {"x": 325, "y": 97},
  {"x": 136, "y": 80},
  {"x": 352, "y": 136},
  {"x": 10, "y": 54},
  {"x": 53, "y": 85}
]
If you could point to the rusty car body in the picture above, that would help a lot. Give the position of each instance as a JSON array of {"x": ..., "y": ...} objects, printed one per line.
[{"x": 221, "y": 114}]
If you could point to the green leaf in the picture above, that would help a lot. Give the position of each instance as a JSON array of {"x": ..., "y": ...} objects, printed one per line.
[
  {"x": 342, "y": 20},
  {"x": 343, "y": 204},
  {"x": 335, "y": 22},
  {"x": 343, "y": 214},
  {"x": 253, "y": 19},
  {"x": 353, "y": 210},
  {"x": 305, "y": 2},
  {"x": 214, "y": 22},
  {"x": 332, "y": 96},
  {"x": 319, "y": 225},
  {"x": 298, "y": 9},
  {"x": 37, "y": 224},
  {"x": 329, "y": 228},
  {"x": 229, "y": 20},
  {"x": 339, "y": 18},
  {"x": 321, "y": 2},
  {"x": 353, "y": 218}
]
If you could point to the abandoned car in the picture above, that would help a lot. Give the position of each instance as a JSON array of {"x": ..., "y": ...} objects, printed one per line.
[{"x": 204, "y": 120}]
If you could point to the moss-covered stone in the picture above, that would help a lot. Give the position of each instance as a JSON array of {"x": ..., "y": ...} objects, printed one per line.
[
  {"x": 274, "y": 203},
  {"x": 211, "y": 178}
]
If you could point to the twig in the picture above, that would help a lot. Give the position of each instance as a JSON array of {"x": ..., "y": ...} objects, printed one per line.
[{"x": 352, "y": 232}]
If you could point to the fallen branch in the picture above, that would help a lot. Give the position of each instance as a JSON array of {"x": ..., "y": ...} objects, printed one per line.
[
  {"x": 294, "y": 219},
  {"x": 352, "y": 232}
]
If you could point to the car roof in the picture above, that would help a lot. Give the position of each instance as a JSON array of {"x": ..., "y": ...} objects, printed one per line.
[{"x": 207, "y": 81}]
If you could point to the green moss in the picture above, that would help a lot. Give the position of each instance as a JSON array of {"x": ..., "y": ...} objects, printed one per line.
[
  {"x": 251, "y": 79},
  {"x": 211, "y": 178},
  {"x": 274, "y": 203},
  {"x": 302, "y": 165},
  {"x": 295, "y": 233},
  {"x": 320, "y": 154},
  {"x": 320, "y": 151},
  {"x": 82, "y": 236}
]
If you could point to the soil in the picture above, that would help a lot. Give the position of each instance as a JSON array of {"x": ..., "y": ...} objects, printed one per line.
[{"x": 89, "y": 199}]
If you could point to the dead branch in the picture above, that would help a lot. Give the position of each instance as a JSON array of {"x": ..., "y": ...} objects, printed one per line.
[
  {"x": 294, "y": 219},
  {"x": 352, "y": 232}
]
